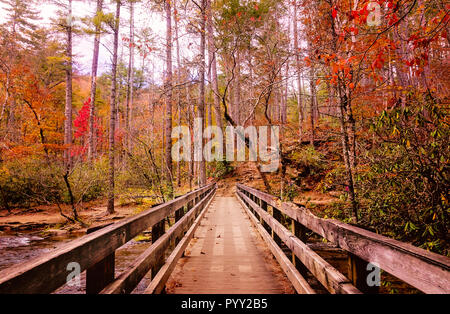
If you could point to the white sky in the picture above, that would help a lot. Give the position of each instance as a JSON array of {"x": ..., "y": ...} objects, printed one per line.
[{"x": 83, "y": 44}]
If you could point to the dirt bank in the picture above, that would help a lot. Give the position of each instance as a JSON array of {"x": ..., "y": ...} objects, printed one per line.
[{"x": 49, "y": 217}]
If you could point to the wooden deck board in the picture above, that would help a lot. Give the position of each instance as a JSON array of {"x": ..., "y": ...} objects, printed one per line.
[{"x": 227, "y": 255}]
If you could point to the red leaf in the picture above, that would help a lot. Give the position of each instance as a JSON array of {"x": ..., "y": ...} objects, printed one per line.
[{"x": 334, "y": 13}]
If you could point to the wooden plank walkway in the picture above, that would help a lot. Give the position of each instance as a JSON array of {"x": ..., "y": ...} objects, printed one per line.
[{"x": 227, "y": 256}]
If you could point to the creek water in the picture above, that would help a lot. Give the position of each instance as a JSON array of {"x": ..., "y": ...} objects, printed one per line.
[{"x": 19, "y": 247}]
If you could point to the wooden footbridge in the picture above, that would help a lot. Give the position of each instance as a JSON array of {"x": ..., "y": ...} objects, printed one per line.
[{"x": 249, "y": 243}]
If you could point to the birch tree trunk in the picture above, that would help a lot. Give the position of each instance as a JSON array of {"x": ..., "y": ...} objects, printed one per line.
[
  {"x": 346, "y": 151},
  {"x": 237, "y": 88},
  {"x": 178, "y": 82},
  {"x": 283, "y": 113},
  {"x": 312, "y": 104},
  {"x": 118, "y": 95},
  {"x": 112, "y": 122},
  {"x": 213, "y": 66},
  {"x": 168, "y": 87},
  {"x": 91, "y": 147},
  {"x": 299, "y": 74},
  {"x": 201, "y": 106},
  {"x": 191, "y": 115},
  {"x": 130, "y": 81},
  {"x": 344, "y": 104},
  {"x": 68, "y": 106}
]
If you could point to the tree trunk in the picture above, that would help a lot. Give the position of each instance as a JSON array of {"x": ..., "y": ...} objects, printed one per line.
[
  {"x": 283, "y": 114},
  {"x": 213, "y": 66},
  {"x": 201, "y": 106},
  {"x": 91, "y": 147},
  {"x": 178, "y": 82},
  {"x": 118, "y": 95},
  {"x": 68, "y": 106},
  {"x": 312, "y": 104},
  {"x": 299, "y": 75},
  {"x": 191, "y": 115},
  {"x": 130, "y": 81},
  {"x": 122, "y": 154},
  {"x": 351, "y": 131},
  {"x": 237, "y": 88},
  {"x": 346, "y": 152},
  {"x": 344, "y": 103},
  {"x": 251, "y": 88},
  {"x": 112, "y": 122},
  {"x": 7, "y": 86},
  {"x": 168, "y": 87}
]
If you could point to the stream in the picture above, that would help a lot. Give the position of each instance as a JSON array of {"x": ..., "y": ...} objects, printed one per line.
[{"x": 19, "y": 247}]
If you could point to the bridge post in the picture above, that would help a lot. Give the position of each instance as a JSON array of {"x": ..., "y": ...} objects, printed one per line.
[
  {"x": 196, "y": 199},
  {"x": 254, "y": 199},
  {"x": 278, "y": 217},
  {"x": 179, "y": 214},
  {"x": 264, "y": 207},
  {"x": 358, "y": 273},
  {"x": 157, "y": 232},
  {"x": 257, "y": 202},
  {"x": 189, "y": 205},
  {"x": 101, "y": 274},
  {"x": 300, "y": 232}
]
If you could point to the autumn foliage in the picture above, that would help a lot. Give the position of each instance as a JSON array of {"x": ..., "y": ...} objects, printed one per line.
[{"x": 360, "y": 89}]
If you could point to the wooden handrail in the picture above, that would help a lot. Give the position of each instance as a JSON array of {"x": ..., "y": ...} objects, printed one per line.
[
  {"x": 48, "y": 272},
  {"x": 424, "y": 270},
  {"x": 298, "y": 281},
  {"x": 127, "y": 281},
  {"x": 329, "y": 277},
  {"x": 159, "y": 281}
]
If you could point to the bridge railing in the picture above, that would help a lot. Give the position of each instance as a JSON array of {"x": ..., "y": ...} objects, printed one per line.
[
  {"x": 95, "y": 252},
  {"x": 426, "y": 271}
]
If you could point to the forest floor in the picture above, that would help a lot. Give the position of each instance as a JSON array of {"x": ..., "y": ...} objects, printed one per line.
[
  {"x": 247, "y": 174},
  {"x": 49, "y": 219}
]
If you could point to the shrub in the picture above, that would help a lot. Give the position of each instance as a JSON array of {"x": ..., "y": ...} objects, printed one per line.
[
  {"x": 29, "y": 181},
  {"x": 310, "y": 159},
  {"x": 333, "y": 180},
  {"x": 138, "y": 174},
  {"x": 405, "y": 186},
  {"x": 290, "y": 192},
  {"x": 88, "y": 182},
  {"x": 220, "y": 169}
]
